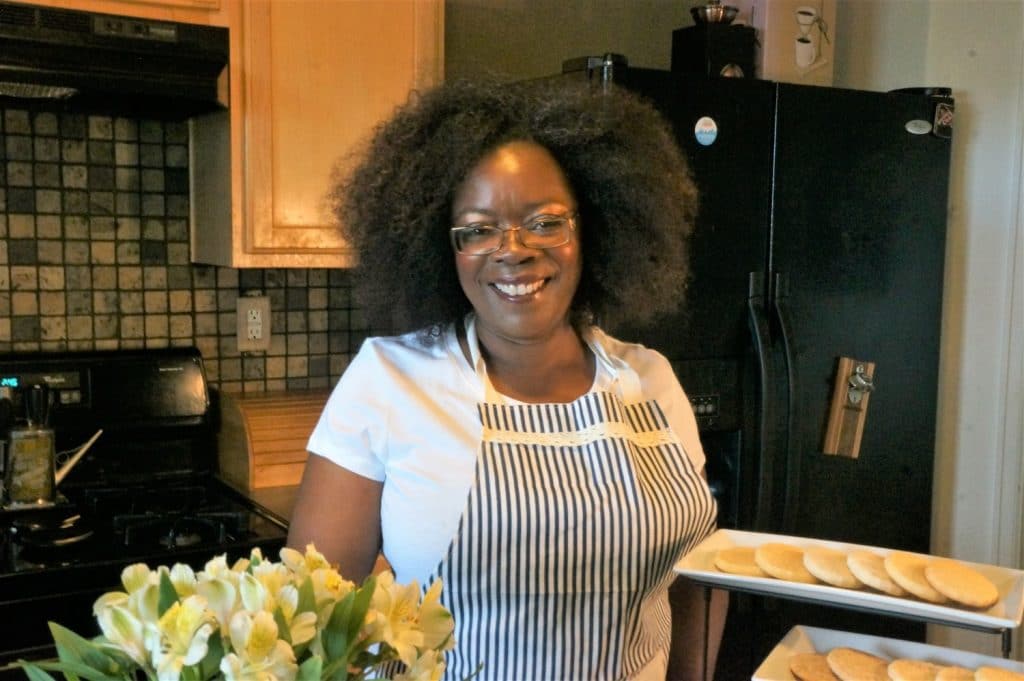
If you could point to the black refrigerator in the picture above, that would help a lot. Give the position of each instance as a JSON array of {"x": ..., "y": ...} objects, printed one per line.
[{"x": 821, "y": 236}]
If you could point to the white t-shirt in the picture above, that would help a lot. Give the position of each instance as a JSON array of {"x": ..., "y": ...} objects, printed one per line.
[{"x": 405, "y": 413}]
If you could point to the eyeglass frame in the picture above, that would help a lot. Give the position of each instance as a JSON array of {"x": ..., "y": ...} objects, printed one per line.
[{"x": 569, "y": 217}]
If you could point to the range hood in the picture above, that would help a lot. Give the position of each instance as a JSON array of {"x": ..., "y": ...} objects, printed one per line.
[{"x": 103, "y": 63}]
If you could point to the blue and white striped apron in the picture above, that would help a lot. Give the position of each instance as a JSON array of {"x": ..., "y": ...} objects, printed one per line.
[{"x": 564, "y": 552}]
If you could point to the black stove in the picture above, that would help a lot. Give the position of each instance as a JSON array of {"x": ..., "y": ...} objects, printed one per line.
[{"x": 146, "y": 491}]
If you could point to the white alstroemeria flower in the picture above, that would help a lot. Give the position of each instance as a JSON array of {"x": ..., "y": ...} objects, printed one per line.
[
  {"x": 429, "y": 666},
  {"x": 135, "y": 577},
  {"x": 329, "y": 585},
  {"x": 215, "y": 568},
  {"x": 303, "y": 564},
  {"x": 436, "y": 623},
  {"x": 184, "y": 631},
  {"x": 273, "y": 577},
  {"x": 253, "y": 594},
  {"x": 184, "y": 580},
  {"x": 109, "y": 600},
  {"x": 125, "y": 631},
  {"x": 145, "y": 602},
  {"x": 398, "y": 605},
  {"x": 258, "y": 652},
  {"x": 221, "y": 596},
  {"x": 301, "y": 627}
]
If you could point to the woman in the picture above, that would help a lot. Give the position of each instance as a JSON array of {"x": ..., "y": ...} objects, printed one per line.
[{"x": 548, "y": 473}]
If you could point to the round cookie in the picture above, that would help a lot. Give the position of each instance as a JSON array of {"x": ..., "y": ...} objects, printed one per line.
[
  {"x": 954, "y": 673},
  {"x": 869, "y": 568},
  {"x": 811, "y": 667},
  {"x": 987, "y": 673},
  {"x": 783, "y": 561},
  {"x": 961, "y": 583},
  {"x": 850, "y": 664},
  {"x": 903, "y": 669},
  {"x": 829, "y": 565},
  {"x": 738, "y": 560},
  {"x": 907, "y": 570}
]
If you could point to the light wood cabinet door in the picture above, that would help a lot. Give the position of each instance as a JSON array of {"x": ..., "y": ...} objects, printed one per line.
[{"x": 310, "y": 80}]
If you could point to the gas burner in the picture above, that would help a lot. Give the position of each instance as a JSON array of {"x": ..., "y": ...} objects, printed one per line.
[
  {"x": 45, "y": 538},
  {"x": 179, "y": 530}
]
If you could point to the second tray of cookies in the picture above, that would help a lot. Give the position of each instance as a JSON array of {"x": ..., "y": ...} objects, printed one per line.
[{"x": 899, "y": 583}]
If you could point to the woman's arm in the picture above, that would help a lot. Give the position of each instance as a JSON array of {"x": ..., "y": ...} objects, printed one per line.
[
  {"x": 686, "y": 656},
  {"x": 339, "y": 512}
]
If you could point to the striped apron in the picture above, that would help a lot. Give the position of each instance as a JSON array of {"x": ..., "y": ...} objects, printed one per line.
[{"x": 564, "y": 553}]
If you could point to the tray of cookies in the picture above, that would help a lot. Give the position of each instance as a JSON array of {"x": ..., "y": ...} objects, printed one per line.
[
  {"x": 900, "y": 583},
  {"x": 813, "y": 654}
]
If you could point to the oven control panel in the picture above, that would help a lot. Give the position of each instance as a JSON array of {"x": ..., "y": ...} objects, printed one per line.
[{"x": 69, "y": 388}]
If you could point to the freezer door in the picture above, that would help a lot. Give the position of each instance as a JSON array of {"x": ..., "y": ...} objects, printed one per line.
[
  {"x": 858, "y": 239},
  {"x": 724, "y": 127}
]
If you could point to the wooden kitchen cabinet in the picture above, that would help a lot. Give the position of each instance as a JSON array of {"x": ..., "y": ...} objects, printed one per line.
[{"x": 309, "y": 80}]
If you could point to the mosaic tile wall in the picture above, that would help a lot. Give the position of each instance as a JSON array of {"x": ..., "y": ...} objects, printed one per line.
[{"x": 94, "y": 254}]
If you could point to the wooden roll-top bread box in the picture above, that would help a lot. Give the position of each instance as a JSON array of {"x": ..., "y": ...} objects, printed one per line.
[{"x": 262, "y": 438}]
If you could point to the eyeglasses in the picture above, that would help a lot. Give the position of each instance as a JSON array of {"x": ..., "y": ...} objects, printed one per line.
[{"x": 544, "y": 231}]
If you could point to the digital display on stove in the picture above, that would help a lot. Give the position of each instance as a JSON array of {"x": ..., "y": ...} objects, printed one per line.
[{"x": 9, "y": 382}]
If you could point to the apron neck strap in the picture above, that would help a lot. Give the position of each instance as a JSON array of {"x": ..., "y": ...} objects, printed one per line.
[{"x": 626, "y": 380}]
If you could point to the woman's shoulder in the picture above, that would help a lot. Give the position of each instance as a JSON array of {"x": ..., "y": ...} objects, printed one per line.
[
  {"x": 635, "y": 354},
  {"x": 426, "y": 354}
]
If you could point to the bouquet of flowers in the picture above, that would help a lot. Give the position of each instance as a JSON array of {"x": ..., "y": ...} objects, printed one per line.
[{"x": 257, "y": 619}]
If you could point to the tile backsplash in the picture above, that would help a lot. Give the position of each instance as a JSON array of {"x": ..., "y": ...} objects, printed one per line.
[{"x": 94, "y": 254}]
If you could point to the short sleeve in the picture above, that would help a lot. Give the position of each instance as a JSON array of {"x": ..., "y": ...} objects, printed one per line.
[{"x": 352, "y": 429}]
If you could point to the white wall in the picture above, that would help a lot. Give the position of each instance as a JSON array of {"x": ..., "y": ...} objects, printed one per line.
[{"x": 977, "y": 48}]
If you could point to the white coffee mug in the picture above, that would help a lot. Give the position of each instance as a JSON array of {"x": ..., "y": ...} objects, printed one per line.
[
  {"x": 806, "y": 51},
  {"x": 806, "y": 16}
]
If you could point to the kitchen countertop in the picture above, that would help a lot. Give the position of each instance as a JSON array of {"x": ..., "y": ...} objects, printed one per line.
[{"x": 277, "y": 500}]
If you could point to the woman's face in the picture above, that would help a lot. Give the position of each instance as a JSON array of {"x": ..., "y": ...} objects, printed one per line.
[{"x": 519, "y": 294}]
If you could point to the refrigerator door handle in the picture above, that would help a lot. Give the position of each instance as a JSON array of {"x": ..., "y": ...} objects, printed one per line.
[
  {"x": 758, "y": 319},
  {"x": 780, "y": 303}
]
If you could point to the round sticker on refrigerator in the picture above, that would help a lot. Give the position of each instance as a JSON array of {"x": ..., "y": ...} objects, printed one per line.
[{"x": 706, "y": 130}]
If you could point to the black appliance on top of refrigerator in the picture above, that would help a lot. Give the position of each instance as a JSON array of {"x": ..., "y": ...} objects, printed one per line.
[{"x": 821, "y": 236}]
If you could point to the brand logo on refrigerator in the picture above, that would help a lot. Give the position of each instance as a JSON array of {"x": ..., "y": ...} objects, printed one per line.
[{"x": 706, "y": 130}]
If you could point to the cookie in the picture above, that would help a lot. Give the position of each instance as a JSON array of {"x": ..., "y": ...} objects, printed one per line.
[
  {"x": 783, "y": 561},
  {"x": 829, "y": 565},
  {"x": 903, "y": 669},
  {"x": 907, "y": 570},
  {"x": 961, "y": 583},
  {"x": 850, "y": 664},
  {"x": 811, "y": 667},
  {"x": 987, "y": 673},
  {"x": 869, "y": 568},
  {"x": 738, "y": 560},
  {"x": 954, "y": 673}
]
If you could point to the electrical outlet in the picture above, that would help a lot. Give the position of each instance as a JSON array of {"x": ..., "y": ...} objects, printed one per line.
[{"x": 253, "y": 315}]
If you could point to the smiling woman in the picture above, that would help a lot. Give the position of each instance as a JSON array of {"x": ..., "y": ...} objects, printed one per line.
[{"x": 548, "y": 474}]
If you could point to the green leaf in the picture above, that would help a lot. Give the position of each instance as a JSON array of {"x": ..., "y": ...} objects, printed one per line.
[
  {"x": 335, "y": 634},
  {"x": 307, "y": 597},
  {"x": 168, "y": 594},
  {"x": 209, "y": 666},
  {"x": 76, "y": 670},
  {"x": 72, "y": 648},
  {"x": 311, "y": 669},
  {"x": 283, "y": 631},
  {"x": 33, "y": 672},
  {"x": 335, "y": 671},
  {"x": 360, "y": 606}
]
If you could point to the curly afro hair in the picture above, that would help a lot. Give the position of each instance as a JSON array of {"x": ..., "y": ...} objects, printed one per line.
[{"x": 636, "y": 198}]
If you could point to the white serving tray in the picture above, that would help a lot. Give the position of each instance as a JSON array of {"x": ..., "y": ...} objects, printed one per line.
[
  {"x": 699, "y": 565},
  {"x": 812, "y": 640}
]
